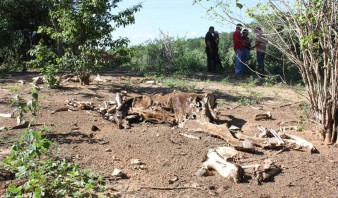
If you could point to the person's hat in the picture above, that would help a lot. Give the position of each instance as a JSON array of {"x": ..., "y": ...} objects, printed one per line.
[
  {"x": 245, "y": 30},
  {"x": 258, "y": 28},
  {"x": 239, "y": 25},
  {"x": 211, "y": 28}
]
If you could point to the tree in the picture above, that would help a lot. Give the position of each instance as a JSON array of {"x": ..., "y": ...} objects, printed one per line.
[
  {"x": 19, "y": 21},
  {"x": 306, "y": 33},
  {"x": 82, "y": 30}
]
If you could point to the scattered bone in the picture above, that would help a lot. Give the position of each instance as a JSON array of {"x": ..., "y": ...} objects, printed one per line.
[
  {"x": 118, "y": 173},
  {"x": 74, "y": 128},
  {"x": 150, "y": 82},
  {"x": 65, "y": 76},
  {"x": 81, "y": 105},
  {"x": 221, "y": 131},
  {"x": 228, "y": 170},
  {"x": 252, "y": 166},
  {"x": 38, "y": 80},
  {"x": 102, "y": 110},
  {"x": 111, "y": 110},
  {"x": 98, "y": 78},
  {"x": 124, "y": 93},
  {"x": 234, "y": 128},
  {"x": 7, "y": 115},
  {"x": 285, "y": 105},
  {"x": 136, "y": 162},
  {"x": 283, "y": 129},
  {"x": 279, "y": 139},
  {"x": 203, "y": 172},
  {"x": 286, "y": 122},
  {"x": 227, "y": 152},
  {"x": 70, "y": 78},
  {"x": 269, "y": 170},
  {"x": 190, "y": 136},
  {"x": 118, "y": 100},
  {"x": 24, "y": 125},
  {"x": 60, "y": 109},
  {"x": 264, "y": 116},
  {"x": 264, "y": 132},
  {"x": 21, "y": 82},
  {"x": 300, "y": 142},
  {"x": 111, "y": 102},
  {"x": 256, "y": 108},
  {"x": 98, "y": 98}
]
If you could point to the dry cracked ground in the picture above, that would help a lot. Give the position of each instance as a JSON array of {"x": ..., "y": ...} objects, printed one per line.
[{"x": 169, "y": 156}]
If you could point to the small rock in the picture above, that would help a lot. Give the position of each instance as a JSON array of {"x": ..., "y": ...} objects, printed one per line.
[
  {"x": 95, "y": 128},
  {"x": 201, "y": 172},
  {"x": 117, "y": 173},
  {"x": 103, "y": 142},
  {"x": 136, "y": 162},
  {"x": 126, "y": 126},
  {"x": 108, "y": 150},
  {"x": 115, "y": 158},
  {"x": 21, "y": 82},
  {"x": 172, "y": 180}
]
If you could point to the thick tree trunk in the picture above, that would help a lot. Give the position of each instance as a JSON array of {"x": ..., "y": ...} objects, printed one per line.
[{"x": 84, "y": 79}]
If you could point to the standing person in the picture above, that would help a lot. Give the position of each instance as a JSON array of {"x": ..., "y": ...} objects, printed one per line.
[
  {"x": 260, "y": 49},
  {"x": 218, "y": 65},
  {"x": 210, "y": 49},
  {"x": 246, "y": 51},
  {"x": 238, "y": 47}
]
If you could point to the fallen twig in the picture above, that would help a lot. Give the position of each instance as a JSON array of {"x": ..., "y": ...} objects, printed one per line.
[{"x": 169, "y": 188}]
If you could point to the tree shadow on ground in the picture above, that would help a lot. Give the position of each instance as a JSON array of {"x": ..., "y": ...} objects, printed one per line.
[{"x": 74, "y": 138}]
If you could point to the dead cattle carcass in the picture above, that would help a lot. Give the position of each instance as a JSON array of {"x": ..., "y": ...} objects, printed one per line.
[{"x": 172, "y": 108}]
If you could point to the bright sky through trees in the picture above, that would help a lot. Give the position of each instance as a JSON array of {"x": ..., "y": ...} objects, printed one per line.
[{"x": 179, "y": 18}]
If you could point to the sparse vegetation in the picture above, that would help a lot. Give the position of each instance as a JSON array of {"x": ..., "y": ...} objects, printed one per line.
[{"x": 41, "y": 175}]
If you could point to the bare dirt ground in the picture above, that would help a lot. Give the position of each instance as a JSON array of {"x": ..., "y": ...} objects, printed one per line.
[{"x": 167, "y": 154}]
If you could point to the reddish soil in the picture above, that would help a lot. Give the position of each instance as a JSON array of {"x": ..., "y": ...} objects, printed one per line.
[{"x": 167, "y": 154}]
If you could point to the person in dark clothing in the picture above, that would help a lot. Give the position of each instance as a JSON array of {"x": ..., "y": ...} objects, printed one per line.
[
  {"x": 210, "y": 49},
  {"x": 218, "y": 63},
  {"x": 246, "y": 51}
]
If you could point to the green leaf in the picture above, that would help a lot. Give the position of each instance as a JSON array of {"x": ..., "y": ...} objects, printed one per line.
[
  {"x": 35, "y": 96},
  {"x": 238, "y": 5},
  {"x": 37, "y": 192},
  {"x": 12, "y": 189}
]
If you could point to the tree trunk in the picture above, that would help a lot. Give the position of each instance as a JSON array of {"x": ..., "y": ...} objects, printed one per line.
[{"x": 84, "y": 79}]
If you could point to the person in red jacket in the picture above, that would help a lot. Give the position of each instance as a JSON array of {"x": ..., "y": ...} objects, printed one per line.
[{"x": 238, "y": 47}]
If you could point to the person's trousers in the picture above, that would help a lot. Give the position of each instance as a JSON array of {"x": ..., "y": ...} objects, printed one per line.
[
  {"x": 211, "y": 61},
  {"x": 238, "y": 62},
  {"x": 245, "y": 60},
  {"x": 260, "y": 62}
]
